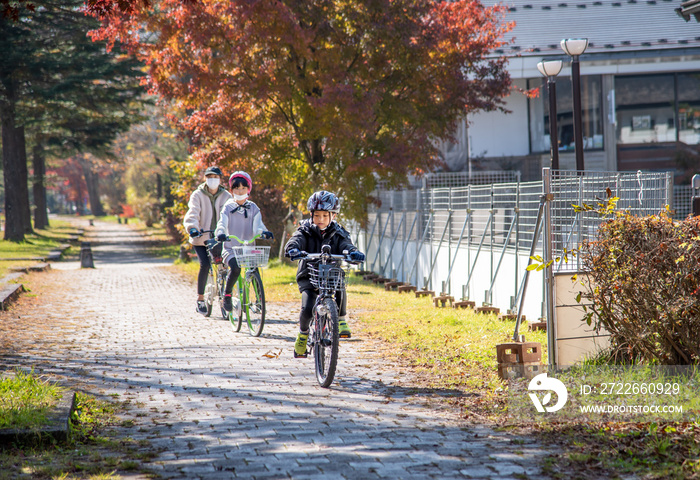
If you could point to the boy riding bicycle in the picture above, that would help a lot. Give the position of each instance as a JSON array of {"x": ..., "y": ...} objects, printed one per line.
[
  {"x": 242, "y": 218},
  {"x": 321, "y": 229}
]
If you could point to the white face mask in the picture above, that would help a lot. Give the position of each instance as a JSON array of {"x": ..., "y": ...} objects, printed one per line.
[
  {"x": 213, "y": 183},
  {"x": 240, "y": 198}
]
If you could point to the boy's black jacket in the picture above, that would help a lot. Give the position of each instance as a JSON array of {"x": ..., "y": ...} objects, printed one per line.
[{"x": 308, "y": 238}]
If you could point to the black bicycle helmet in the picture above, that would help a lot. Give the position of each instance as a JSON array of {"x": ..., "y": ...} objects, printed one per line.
[
  {"x": 213, "y": 171},
  {"x": 324, "y": 201}
]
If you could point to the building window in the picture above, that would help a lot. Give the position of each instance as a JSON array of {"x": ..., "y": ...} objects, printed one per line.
[
  {"x": 689, "y": 108},
  {"x": 591, "y": 112},
  {"x": 644, "y": 109}
]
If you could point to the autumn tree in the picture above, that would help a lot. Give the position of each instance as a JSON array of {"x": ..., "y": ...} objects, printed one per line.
[
  {"x": 60, "y": 93},
  {"x": 319, "y": 94}
]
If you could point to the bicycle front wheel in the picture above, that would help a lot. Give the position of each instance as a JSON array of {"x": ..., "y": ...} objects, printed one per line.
[
  {"x": 254, "y": 303},
  {"x": 326, "y": 342}
]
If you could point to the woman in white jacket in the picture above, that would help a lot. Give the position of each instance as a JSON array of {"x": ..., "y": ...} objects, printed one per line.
[{"x": 204, "y": 209}]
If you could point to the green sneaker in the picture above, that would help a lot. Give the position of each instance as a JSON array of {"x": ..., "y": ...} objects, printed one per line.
[
  {"x": 300, "y": 346},
  {"x": 343, "y": 329}
]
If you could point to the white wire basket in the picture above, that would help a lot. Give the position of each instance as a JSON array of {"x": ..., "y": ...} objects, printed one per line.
[
  {"x": 251, "y": 256},
  {"x": 336, "y": 275}
]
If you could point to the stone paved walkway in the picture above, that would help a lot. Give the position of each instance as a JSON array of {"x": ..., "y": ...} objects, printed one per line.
[{"x": 222, "y": 404}]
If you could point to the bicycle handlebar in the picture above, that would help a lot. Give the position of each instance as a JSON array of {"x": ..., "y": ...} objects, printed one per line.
[
  {"x": 244, "y": 242},
  {"x": 330, "y": 256},
  {"x": 233, "y": 237}
]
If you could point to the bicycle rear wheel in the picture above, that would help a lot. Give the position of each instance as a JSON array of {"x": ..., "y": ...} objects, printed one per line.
[
  {"x": 221, "y": 283},
  {"x": 210, "y": 292},
  {"x": 254, "y": 303},
  {"x": 326, "y": 342}
]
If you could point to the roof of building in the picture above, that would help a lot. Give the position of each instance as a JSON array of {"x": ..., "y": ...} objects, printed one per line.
[
  {"x": 610, "y": 26},
  {"x": 688, "y": 9}
]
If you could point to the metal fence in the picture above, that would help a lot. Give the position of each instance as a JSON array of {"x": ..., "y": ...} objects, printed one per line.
[
  {"x": 482, "y": 238},
  {"x": 460, "y": 179},
  {"x": 682, "y": 201},
  {"x": 415, "y": 235},
  {"x": 639, "y": 194}
]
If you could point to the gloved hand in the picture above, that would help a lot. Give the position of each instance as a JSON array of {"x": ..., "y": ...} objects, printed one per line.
[
  {"x": 221, "y": 237},
  {"x": 295, "y": 253},
  {"x": 267, "y": 235},
  {"x": 357, "y": 256},
  {"x": 194, "y": 233}
]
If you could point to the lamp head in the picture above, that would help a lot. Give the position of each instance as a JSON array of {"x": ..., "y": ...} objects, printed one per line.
[
  {"x": 574, "y": 46},
  {"x": 550, "y": 68}
]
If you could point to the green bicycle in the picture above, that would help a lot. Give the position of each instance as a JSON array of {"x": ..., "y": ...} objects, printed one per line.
[{"x": 250, "y": 290}]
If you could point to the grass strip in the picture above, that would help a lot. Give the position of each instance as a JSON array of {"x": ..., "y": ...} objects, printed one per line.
[
  {"x": 92, "y": 452},
  {"x": 25, "y": 400}
]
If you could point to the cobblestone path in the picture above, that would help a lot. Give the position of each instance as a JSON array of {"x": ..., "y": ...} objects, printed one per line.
[{"x": 221, "y": 404}]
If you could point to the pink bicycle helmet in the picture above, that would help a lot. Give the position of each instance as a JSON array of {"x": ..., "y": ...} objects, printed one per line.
[{"x": 243, "y": 175}]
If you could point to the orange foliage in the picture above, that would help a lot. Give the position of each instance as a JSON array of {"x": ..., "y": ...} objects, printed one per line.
[{"x": 312, "y": 94}]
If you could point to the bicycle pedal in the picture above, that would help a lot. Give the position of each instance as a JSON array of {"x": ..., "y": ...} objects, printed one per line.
[
  {"x": 296, "y": 355},
  {"x": 344, "y": 335}
]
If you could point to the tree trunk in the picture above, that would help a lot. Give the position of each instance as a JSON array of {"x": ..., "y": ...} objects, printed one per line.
[
  {"x": 91, "y": 179},
  {"x": 14, "y": 228},
  {"x": 26, "y": 211},
  {"x": 41, "y": 217},
  {"x": 79, "y": 206}
]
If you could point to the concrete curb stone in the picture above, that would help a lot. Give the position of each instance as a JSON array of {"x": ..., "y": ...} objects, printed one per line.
[{"x": 56, "y": 429}]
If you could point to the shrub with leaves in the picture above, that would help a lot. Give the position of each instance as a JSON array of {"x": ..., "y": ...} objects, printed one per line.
[{"x": 644, "y": 275}]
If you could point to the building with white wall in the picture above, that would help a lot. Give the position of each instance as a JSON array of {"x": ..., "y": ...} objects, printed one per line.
[{"x": 640, "y": 89}]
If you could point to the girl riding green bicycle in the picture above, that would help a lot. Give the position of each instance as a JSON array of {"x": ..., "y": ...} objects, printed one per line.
[{"x": 241, "y": 218}]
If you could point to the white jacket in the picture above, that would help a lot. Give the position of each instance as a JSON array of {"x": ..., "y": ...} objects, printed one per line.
[
  {"x": 243, "y": 221},
  {"x": 203, "y": 211}
]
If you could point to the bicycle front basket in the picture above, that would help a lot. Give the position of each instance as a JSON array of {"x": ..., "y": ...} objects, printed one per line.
[
  {"x": 329, "y": 276},
  {"x": 251, "y": 256},
  {"x": 215, "y": 250}
]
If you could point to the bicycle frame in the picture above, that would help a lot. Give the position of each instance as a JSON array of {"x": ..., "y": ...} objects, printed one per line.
[
  {"x": 249, "y": 286},
  {"x": 251, "y": 293}
]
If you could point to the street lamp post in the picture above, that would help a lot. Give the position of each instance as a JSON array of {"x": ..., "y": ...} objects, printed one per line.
[
  {"x": 575, "y": 47},
  {"x": 550, "y": 70}
]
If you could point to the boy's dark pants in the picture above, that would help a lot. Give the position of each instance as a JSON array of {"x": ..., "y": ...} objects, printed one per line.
[{"x": 308, "y": 297}]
